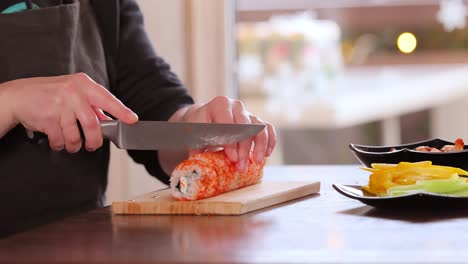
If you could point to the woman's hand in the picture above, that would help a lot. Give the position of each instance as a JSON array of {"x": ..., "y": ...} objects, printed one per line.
[
  {"x": 225, "y": 110},
  {"x": 53, "y": 105}
]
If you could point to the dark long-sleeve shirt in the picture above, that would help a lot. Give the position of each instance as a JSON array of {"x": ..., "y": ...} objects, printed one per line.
[
  {"x": 39, "y": 184},
  {"x": 138, "y": 76}
]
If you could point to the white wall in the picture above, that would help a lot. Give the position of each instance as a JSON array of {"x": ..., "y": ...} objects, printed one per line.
[
  {"x": 165, "y": 24},
  {"x": 448, "y": 121}
]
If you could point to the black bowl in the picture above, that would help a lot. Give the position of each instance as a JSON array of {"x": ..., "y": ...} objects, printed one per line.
[{"x": 383, "y": 154}]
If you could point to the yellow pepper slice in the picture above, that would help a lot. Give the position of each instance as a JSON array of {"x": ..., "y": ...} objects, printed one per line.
[{"x": 385, "y": 176}]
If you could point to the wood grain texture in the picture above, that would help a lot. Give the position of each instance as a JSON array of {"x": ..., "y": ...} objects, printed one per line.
[
  {"x": 237, "y": 202},
  {"x": 325, "y": 228}
]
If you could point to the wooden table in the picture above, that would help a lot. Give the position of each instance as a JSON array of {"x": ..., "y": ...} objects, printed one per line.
[{"x": 325, "y": 228}]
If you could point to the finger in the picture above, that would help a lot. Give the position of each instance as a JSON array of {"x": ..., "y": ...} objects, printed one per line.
[
  {"x": 54, "y": 134},
  {"x": 213, "y": 149},
  {"x": 198, "y": 151},
  {"x": 271, "y": 139},
  {"x": 101, "y": 115},
  {"x": 71, "y": 133},
  {"x": 101, "y": 98},
  {"x": 243, "y": 148},
  {"x": 231, "y": 152},
  {"x": 91, "y": 126},
  {"x": 221, "y": 112},
  {"x": 197, "y": 114},
  {"x": 109, "y": 103},
  {"x": 260, "y": 141}
]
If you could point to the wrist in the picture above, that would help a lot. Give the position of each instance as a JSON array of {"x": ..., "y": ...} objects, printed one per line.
[{"x": 6, "y": 105}]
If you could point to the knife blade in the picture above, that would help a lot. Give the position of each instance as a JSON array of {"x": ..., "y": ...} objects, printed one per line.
[{"x": 157, "y": 135}]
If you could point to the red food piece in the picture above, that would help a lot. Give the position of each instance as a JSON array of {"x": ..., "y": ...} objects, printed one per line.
[
  {"x": 459, "y": 144},
  {"x": 425, "y": 149},
  {"x": 219, "y": 174}
]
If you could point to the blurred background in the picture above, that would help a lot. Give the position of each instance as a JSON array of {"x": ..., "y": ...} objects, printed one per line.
[{"x": 325, "y": 73}]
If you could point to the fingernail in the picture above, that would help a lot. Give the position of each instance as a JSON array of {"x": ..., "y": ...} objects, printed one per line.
[
  {"x": 58, "y": 149},
  {"x": 74, "y": 151},
  {"x": 90, "y": 149},
  {"x": 259, "y": 156},
  {"x": 241, "y": 166},
  {"x": 135, "y": 116},
  {"x": 233, "y": 154}
]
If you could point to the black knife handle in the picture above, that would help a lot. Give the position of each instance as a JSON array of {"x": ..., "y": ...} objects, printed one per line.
[{"x": 35, "y": 137}]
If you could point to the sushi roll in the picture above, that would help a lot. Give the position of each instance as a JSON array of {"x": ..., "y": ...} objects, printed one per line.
[{"x": 211, "y": 173}]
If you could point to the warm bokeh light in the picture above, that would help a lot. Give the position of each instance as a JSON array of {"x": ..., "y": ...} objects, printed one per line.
[{"x": 407, "y": 42}]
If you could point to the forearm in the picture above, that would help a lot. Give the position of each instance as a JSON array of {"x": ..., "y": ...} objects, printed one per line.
[
  {"x": 7, "y": 121},
  {"x": 169, "y": 159}
]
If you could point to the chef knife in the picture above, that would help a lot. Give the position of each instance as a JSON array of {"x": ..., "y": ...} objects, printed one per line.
[
  {"x": 156, "y": 135},
  {"x": 152, "y": 135}
]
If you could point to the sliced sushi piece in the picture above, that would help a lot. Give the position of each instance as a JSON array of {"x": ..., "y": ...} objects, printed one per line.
[{"x": 211, "y": 173}]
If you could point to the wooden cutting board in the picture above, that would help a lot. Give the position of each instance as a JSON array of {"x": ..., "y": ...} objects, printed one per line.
[{"x": 241, "y": 201}]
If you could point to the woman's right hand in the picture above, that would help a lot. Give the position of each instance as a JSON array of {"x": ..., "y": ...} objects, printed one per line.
[{"x": 53, "y": 105}]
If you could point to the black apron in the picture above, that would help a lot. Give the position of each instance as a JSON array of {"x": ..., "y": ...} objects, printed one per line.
[{"x": 35, "y": 182}]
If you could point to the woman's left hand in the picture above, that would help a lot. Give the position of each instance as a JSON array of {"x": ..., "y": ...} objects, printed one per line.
[{"x": 222, "y": 109}]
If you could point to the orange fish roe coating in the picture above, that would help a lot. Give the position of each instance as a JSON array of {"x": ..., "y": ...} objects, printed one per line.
[{"x": 217, "y": 175}]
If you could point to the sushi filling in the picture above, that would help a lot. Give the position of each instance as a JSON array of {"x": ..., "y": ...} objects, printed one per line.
[
  {"x": 186, "y": 180},
  {"x": 183, "y": 184}
]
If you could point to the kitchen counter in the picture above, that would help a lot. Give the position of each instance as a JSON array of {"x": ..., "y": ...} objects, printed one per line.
[{"x": 324, "y": 228}]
